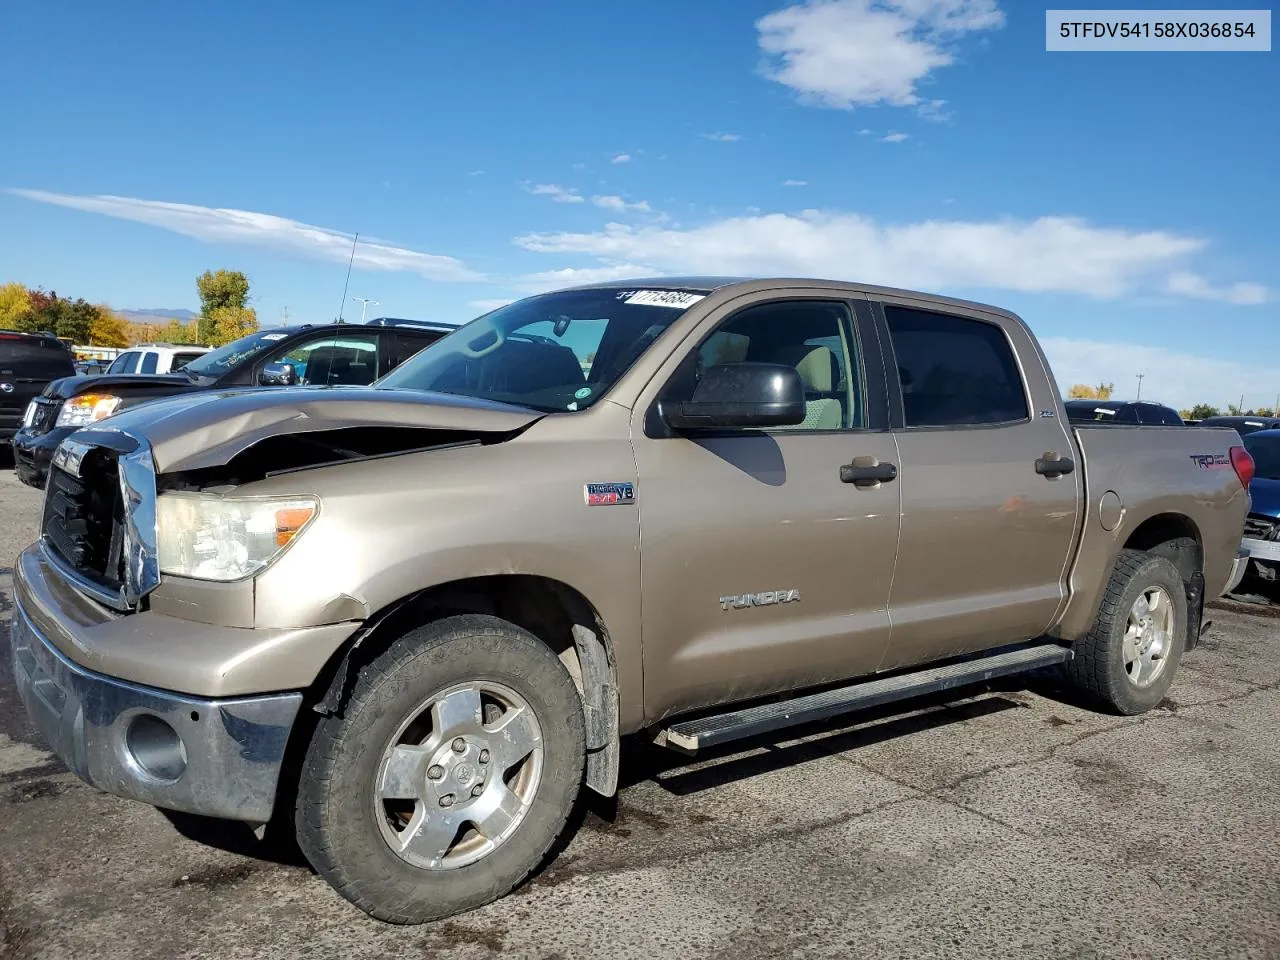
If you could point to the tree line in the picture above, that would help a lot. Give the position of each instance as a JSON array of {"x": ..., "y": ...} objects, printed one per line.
[
  {"x": 1201, "y": 411},
  {"x": 225, "y": 315}
]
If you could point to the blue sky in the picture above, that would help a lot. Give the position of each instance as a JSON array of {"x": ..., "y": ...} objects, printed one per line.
[{"x": 1125, "y": 204}]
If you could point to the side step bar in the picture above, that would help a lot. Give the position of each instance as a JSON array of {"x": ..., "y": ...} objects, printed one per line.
[{"x": 689, "y": 736}]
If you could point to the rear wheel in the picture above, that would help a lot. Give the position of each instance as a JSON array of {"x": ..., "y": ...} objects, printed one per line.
[
  {"x": 1127, "y": 661},
  {"x": 449, "y": 774}
]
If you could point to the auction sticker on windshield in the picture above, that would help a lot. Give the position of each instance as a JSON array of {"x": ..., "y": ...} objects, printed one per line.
[{"x": 680, "y": 299}]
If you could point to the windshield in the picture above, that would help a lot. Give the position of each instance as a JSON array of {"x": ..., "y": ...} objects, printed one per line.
[
  {"x": 217, "y": 362},
  {"x": 1266, "y": 455},
  {"x": 554, "y": 352}
]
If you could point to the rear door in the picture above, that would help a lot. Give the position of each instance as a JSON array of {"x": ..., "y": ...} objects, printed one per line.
[
  {"x": 764, "y": 570},
  {"x": 27, "y": 365},
  {"x": 986, "y": 538}
]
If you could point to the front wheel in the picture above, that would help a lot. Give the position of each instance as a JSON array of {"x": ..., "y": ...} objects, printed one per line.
[
  {"x": 1127, "y": 661},
  {"x": 449, "y": 774}
]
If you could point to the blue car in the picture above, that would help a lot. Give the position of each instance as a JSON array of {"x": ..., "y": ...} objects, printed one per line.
[{"x": 1262, "y": 527}]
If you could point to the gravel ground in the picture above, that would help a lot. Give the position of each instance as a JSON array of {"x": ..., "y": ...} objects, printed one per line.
[{"x": 1007, "y": 824}]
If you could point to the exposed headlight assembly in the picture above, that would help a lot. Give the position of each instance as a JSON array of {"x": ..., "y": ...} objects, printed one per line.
[
  {"x": 208, "y": 537},
  {"x": 86, "y": 409}
]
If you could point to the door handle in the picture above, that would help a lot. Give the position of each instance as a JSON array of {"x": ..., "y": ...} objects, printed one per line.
[
  {"x": 1053, "y": 466},
  {"x": 867, "y": 472}
]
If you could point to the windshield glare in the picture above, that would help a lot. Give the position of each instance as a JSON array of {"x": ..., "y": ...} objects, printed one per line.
[
  {"x": 1266, "y": 456},
  {"x": 554, "y": 352},
  {"x": 217, "y": 362}
]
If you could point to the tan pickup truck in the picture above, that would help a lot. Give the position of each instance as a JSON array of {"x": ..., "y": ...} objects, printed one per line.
[{"x": 411, "y": 621}]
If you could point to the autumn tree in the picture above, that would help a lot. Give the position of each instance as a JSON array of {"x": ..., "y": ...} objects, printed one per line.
[
  {"x": 1082, "y": 391},
  {"x": 220, "y": 290},
  {"x": 109, "y": 329},
  {"x": 231, "y": 323},
  {"x": 14, "y": 303}
]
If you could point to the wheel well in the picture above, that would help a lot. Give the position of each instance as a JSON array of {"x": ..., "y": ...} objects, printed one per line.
[
  {"x": 555, "y": 613},
  {"x": 1177, "y": 538},
  {"x": 1174, "y": 536}
]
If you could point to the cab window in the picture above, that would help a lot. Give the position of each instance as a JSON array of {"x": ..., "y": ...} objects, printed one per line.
[
  {"x": 346, "y": 359},
  {"x": 809, "y": 335}
]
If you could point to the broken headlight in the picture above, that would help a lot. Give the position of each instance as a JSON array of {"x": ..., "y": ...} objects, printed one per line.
[{"x": 208, "y": 537}]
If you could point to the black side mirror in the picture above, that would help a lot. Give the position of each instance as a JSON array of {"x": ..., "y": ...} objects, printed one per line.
[
  {"x": 278, "y": 375},
  {"x": 741, "y": 395}
]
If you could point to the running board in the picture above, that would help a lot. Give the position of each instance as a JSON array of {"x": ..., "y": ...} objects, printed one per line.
[{"x": 689, "y": 736}]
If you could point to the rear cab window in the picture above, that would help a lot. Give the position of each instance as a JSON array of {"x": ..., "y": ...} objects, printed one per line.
[
  {"x": 127, "y": 362},
  {"x": 149, "y": 360},
  {"x": 29, "y": 359},
  {"x": 954, "y": 371}
]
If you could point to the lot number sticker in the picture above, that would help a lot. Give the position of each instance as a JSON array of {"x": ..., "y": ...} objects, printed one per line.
[{"x": 678, "y": 299}]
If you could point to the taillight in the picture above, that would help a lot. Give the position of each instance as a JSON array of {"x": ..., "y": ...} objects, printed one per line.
[{"x": 1242, "y": 463}]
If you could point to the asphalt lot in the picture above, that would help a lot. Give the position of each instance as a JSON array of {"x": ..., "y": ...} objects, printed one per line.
[{"x": 1006, "y": 824}]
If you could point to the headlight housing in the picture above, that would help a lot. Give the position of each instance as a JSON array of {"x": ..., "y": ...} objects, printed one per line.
[
  {"x": 86, "y": 409},
  {"x": 208, "y": 537}
]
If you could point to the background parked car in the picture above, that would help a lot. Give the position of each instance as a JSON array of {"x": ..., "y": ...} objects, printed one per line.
[
  {"x": 28, "y": 363},
  {"x": 1242, "y": 424},
  {"x": 156, "y": 358},
  {"x": 333, "y": 354},
  {"x": 1122, "y": 411},
  {"x": 1262, "y": 526}
]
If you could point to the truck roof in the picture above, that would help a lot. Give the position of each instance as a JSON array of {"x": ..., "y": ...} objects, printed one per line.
[{"x": 710, "y": 284}]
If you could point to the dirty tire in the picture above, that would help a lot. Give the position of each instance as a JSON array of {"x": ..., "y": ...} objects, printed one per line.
[
  {"x": 1098, "y": 668},
  {"x": 337, "y": 817}
]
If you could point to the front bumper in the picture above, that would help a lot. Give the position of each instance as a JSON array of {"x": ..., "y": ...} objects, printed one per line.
[
  {"x": 1265, "y": 550},
  {"x": 33, "y": 452},
  {"x": 216, "y": 757}
]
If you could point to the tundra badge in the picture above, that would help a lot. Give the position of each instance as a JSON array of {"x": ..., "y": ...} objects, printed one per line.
[{"x": 768, "y": 598}]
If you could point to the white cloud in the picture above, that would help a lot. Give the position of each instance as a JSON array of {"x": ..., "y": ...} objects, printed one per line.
[
  {"x": 263, "y": 230},
  {"x": 850, "y": 53},
  {"x": 795, "y": 183},
  {"x": 864, "y": 132},
  {"x": 1050, "y": 254},
  {"x": 1198, "y": 288},
  {"x": 484, "y": 306},
  {"x": 617, "y": 203},
  {"x": 557, "y": 193},
  {"x": 476, "y": 173},
  {"x": 894, "y": 138},
  {"x": 622, "y": 158},
  {"x": 722, "y": 137},
  {"x": 575, "y": 276},
  {"x": 1180, "y": 380}
]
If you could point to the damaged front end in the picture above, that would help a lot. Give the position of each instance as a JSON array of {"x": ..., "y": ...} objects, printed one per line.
[{"x": 152, "y": 491}]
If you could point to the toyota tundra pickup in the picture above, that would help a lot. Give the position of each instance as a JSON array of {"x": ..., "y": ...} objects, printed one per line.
[{"x": 411, "y": 621}]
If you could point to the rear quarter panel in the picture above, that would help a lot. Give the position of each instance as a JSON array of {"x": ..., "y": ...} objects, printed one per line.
[{"x": 1183, "y": 471}]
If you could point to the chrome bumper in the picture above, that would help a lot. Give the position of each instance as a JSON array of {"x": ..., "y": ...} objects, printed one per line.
[
  {"x": 219, "y": 758},
  {"x": 1261, "y": 549},
  {"x": 1238, "y": 568}
]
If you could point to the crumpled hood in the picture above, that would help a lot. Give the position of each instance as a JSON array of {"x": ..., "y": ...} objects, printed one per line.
[{"x": 196, "y": 430}]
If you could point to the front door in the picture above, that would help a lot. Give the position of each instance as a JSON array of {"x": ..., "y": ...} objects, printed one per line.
[
  {"x": 762, "y": 569},
  {"x": 985, "y": 537}
]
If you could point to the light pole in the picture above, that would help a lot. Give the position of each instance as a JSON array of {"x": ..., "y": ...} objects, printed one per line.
[
  {"x": 364, "y": 304},
  {"x": 1140, "y": 376}
]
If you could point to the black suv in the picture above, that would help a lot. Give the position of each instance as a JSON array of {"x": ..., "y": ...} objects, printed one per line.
[
  {"x": 29, "y": 362},
  {"x": 349, "y": 354},
  {"x": 1122, "y": 411}
]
